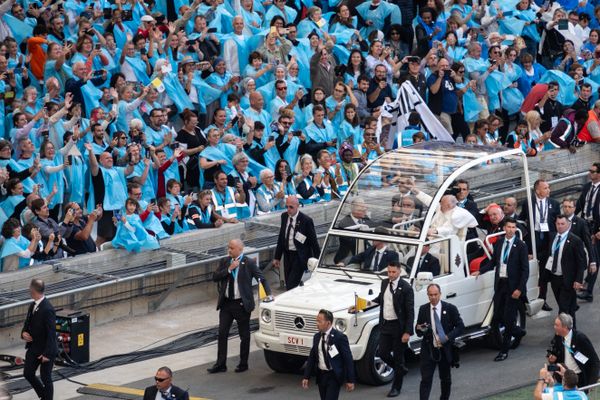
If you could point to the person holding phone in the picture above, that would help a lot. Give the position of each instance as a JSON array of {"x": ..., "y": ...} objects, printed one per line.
[
  {"x": 443, "y": 99},
  {"x": 553, "y": 39}
]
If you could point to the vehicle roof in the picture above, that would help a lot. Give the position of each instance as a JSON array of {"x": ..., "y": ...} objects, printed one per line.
[{"x": 433, "y": 167}]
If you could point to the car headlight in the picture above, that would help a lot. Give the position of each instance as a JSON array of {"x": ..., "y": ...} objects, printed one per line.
[
  {"x": 340, "y": 325},
  {"x": 265, "y": 315}
]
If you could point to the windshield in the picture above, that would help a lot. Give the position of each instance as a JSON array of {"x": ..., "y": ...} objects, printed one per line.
[
  {"x": 393, "y": 194},
  {"x": 353, "y": 254}
]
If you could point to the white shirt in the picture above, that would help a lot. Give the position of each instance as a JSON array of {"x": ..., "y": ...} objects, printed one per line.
[
  {"x": 538, "y": 216},
  {"x": 236, "y": 288},
  {"x": 322, "y": 365},
  {"x": 570, "y": 362},
  {"x": 127, "y": 70},
  {"x": 563, "y": 239},
  {"x": 230, "y": 54},
  {"x": 291, "y": 220},
  {"x": 374, "y": 266},
  {"x": 507, "y": 244},
  {"x": 37, "y": 303},
  {"x": 159, "y": 395},
  {"x": 389, "y": 314},
  {"x": 438, "y": 311}
]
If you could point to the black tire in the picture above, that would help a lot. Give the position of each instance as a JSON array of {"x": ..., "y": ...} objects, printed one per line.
[
  {"x": 495, "y": 335},
  {"x": 283, "y": 362},
  {"x": 371, "y": 370}
]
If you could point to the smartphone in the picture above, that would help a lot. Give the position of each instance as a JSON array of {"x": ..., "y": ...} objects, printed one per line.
[
  {"x": 70, "y": 159},
  {"x": 127, "y": 15},
  {"x": 212, "y": 30},
  {"x": 273, "y": 29},
  {"x": 117, "y": 215},
  {"x": 297, "y": 133},
  {"x": 107, "y": 13},
  {"x": 143, "y": 51},
  {"x": 98, "y": 72},
  {"x": 235, "y": 120},
  {"x": 553, "y": 368},
  {"x": 563, "y": 24},
  {"x": 18, "y": 70},
  {"x": 271, "y": 138},
  {"x": 98, "y": 46},
  {"x": 174, "y": 145}
]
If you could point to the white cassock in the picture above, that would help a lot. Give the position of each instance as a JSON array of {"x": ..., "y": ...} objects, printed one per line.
[{"x": 453, "y": 222}]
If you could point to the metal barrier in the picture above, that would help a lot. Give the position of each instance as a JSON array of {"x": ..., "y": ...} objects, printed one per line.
[{"x": 112, "y": 276}]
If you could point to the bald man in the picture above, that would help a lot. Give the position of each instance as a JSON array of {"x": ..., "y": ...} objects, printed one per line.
[
  {"x": 297, "y": 243},
  {"x": 236, "y": 302}
]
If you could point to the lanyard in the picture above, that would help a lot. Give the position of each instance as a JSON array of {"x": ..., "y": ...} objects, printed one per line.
[
  {"x": 540, "y": 209},
  {"x": 506, "y": 251},
  {"x": 556, "y": 245}
]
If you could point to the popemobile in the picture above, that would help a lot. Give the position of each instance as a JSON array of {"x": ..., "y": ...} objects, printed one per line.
[{"x": 395, "y": 203}]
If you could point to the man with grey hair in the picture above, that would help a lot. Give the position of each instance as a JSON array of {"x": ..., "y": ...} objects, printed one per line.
[
  {"x": 236, "y": 302},
  {"x": 242, "y": 179},
  {"x": 231, "y": 49},
  {"x": 164, "y": 388},
  {"x": 574, "y": 350},
  {"x": 356, "y": 220},
  {"x": 269, "y": 196},
  {"x": 81, "y": 75}
]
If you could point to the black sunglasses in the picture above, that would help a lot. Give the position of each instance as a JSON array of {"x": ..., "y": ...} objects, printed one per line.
[{"x": 157, "y": 379}]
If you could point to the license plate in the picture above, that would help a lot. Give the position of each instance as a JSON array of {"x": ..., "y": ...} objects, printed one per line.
[{"x": 296, "y": 340}]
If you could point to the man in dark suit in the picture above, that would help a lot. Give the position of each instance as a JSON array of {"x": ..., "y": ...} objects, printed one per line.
[
  {"x": 81, "y": 76},
  {"x": 580, "y": 227},
  {"x": 396, "y": 323},
  {"x": 511, "y": 267},
  {"x": 164, "y": 388},
  {"x": 356, "y": 220},
  {"x": 465, "y": 201},
  {"x": 297, "y": 243},
  {"x": 39, "y": 331},
  {"x": 427, "y": 262},
  {"x": 439, "y": 324},
  {"x": 236, "y": 302},
  {"x": 565, "y": 266},
  {"x": 375, "y": 258},
  {"x": 545, "y": 211},
  {"x": 588, "y": 207},
  {"x": 330, "y": 359},
  {"x": 580, "y": 355}
]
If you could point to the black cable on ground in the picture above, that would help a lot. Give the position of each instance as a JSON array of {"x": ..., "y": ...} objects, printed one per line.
[{"x": 188, "y": 342}]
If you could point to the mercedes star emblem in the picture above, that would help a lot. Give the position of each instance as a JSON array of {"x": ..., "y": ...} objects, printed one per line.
[{"x": 299, "y": 323}]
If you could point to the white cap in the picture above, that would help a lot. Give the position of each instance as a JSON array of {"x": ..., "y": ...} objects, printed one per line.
[{"x": 148, "y": 18}]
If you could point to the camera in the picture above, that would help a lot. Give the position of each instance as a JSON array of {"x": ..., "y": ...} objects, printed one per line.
[
  {"x": 143, "y": 51},
  {"x": 424, "y": 328},
  {"x": 297, "y": 133},
  {"x": 174, "y": 145},
  {"x": 553, "y": 368}
]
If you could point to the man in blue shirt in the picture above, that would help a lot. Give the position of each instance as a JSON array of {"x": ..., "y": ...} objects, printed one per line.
[{"x": 443, "y": 100}]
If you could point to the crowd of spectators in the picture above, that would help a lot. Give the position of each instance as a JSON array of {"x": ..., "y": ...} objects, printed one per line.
[{"x": 130, "y": 121}]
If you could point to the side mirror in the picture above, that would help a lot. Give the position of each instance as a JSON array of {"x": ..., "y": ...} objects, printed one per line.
[
  {"x": 423, "y": 279},
  {"x": 312, "y": 264}
]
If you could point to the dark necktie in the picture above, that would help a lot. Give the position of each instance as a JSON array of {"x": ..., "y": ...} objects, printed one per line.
[
  {"x": 420, "y": 264},
  {"x": 324, "y": 350},
  {"x": 165, "y": 395},
  {"x": 231, "y": 283},
  {"x": 505, "y": 252},
  {"x": 438, "y": 326},
  {"x": 590, "y": 202},
  {"x": 289, "y": 231},
  {"x": 555, "y": 250},
  {"x": 375, "y": 266}
]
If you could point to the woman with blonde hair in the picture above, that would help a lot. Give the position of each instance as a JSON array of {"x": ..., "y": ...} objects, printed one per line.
[{"x": 541, "y": 140}]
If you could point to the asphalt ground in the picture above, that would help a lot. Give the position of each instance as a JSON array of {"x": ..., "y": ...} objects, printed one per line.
[{"x": 478, "y": 377}]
